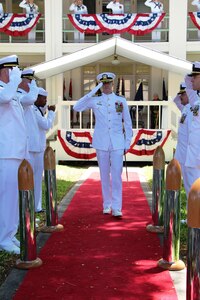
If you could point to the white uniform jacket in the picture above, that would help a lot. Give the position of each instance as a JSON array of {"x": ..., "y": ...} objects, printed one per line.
[
  {"x": 184, "y": 125},
  {"x": 117, "y": 8},
  {"x": 156, "y": 7},
  {"x": 197, "y": 3},
  {"x": 1, "y": 9},
  {"x": 44, "y": 124},
  {"x": 193, "y": 149},
  {"x": 13, "y": 133},
  {"x": 27, "y": 100},
  {"x": 30, "y": 8},
  {"x": 110, "y": 113},
  {"x": 79, "y": 10}
]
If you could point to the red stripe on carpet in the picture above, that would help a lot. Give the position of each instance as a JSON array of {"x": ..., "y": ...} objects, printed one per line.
[{"x": 98, "y": 257}]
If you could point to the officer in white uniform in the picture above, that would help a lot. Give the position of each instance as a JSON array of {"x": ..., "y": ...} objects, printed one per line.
[
  {"x": 31, "y": 8},
  {"x": 37, "y": 149},
  {"x": 116, "y": 7},
  {"x": 112, "y": 136},
  {"x": 13, "y": 149},
  {"x": 156, "y": 7},
  {"x": 78, "y": 8},
  {"x": 192, "y": 162},
  {"x": 28, "y": 93},
  {"x": 182, "y": 102}
]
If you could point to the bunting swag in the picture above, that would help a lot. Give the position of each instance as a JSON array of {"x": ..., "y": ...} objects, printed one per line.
[
  {"x": 18, "y": 24},
  {"x": 78, "y": 144},
  {"x": 137, "y": 24},
  {"x": 195, "y": 17},
  {"x": 146, "y": 141}
]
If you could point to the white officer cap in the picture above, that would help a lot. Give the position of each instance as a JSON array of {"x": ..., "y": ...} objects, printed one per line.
[
  {"x": 195, "y": 68},
  {"x": 182, "y": 88},
  {"x": 9, "y": 61},
  {"x": 106, "y": 77},
  {"x": 29, "y": 74},
  {"x": 42, "y": 92}
]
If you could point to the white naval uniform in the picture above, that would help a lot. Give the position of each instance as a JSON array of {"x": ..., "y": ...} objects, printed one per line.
[
  {"x": 30, "y": 9},
  {"x": 1, "y": 9},
  {"x": 27, "y": 100},
  {"x": 109, "y": 142},
  {"x": 37, "y": 147},
  {"x": 197, "y": 4},
  {"x": 192, "y": 161},
  {"x": 79, "y": 10},
  {"x": 13, "y": 149},
  {"x": 117, "y": 8},
  {"x": 156, "y": 7},
  {"x": 182, "y": 140}
]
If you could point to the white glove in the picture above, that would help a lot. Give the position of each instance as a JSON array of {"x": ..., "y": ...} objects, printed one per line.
[
  {"x": 15, "y": 75},
  {"x": 188, "y": 82},
  {"x": 93, "y": 92},
  {"x": 33, "y": 86}
]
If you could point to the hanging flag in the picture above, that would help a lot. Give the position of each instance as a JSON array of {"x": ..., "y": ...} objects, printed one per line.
[
  {"x": 123, "y": 87},
  {"x": 164, "y": 92},
  {"x": 70, "y": 90},
  {"x": 64, "y": 90},
  {"x": 139, "y": 93},
  {"x": 118, "y": 86}
]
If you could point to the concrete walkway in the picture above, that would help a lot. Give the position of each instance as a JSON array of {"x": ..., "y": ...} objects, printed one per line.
[{"x": 9, "y": 287}]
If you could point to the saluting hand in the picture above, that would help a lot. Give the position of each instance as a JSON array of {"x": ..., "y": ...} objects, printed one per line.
[
  {"x": 15, "y": 75},
  {"x": 52, "y": 107}
]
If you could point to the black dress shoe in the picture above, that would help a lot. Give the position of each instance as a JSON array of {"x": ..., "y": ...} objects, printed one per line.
[{"x": 41, "y": 211}]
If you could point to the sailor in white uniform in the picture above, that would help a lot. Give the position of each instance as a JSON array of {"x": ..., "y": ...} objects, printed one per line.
[
  {"x": 44, "y": 123},
  {"x": 116, "y": 7},
  {"x": 78, "y": 8},
  {"x": 156, "y": 7},
  {"x": 112, "y": 136},
  {"x": 182, "y": 102},
  {"x": 13, "y": 149},
  {"x": 192, "y": 162},
  {"x": 31, "y": 8}
]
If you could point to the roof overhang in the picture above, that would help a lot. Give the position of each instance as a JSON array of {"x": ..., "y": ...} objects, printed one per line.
[{"x": 115, "y": 45}]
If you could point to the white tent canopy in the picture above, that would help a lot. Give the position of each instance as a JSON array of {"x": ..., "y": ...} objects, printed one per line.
[{"x": 115, "y": 45}]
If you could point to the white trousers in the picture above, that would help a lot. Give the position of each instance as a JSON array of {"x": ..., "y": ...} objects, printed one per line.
[
  {"x": 9, "y": 199},
  {"x": 78, "y": 36},
  {"x": 37, "y": 162},
  {"x": 192, "y": 175},
  {"x": 32, "y": 35},
  {"x": 111, "y": 166},
  {"x": 156, "y": 35}
]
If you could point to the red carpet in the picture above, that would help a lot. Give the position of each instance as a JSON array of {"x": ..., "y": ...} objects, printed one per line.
[{"x": 98, "y": 257}]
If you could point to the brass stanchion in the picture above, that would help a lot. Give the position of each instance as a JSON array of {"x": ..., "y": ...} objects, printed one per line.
[
  {"x": 28, "y": 253},
  {"x": 157, "y": 191},
  {"x": 172, "y": 207},
  {"x": 193, "y": 252},
  {"x": 50, "y": 192}
]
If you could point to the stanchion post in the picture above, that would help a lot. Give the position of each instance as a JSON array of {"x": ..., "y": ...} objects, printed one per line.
[
  {"x": 28, "y": 252},
  {"x": 50, "y": 192},
  {"x": 172, "y": 213},
  {"x": 157, "y": 191},
  {"x": 193, "y": 248}
]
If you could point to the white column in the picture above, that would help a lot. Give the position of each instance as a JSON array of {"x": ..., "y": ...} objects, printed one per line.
[
  {"x": 177, "y": 39},
  {"x": 53, "y": 43}
]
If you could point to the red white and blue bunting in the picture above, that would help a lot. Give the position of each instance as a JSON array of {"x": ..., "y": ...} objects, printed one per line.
[
  {"x": 137, "y": 24},
  {"x": 18, "y": 24},
  {"x": 79, "y": 144},
  {"x": 195, "y": 17}
]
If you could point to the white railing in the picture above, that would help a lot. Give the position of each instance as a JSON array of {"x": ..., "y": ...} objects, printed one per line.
[{"x": 140, "y": 111}]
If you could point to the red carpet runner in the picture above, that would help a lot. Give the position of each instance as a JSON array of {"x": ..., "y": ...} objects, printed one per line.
[{"x": 98, "y": 257}]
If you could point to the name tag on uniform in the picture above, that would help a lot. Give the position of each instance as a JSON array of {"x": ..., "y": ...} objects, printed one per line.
[{"x": 99, "y": 103}]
